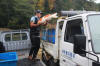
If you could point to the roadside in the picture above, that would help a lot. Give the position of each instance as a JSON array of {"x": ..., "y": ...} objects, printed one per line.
[{"x": 23, "y": 61}]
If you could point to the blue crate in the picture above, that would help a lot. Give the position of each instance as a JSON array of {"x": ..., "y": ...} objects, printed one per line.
[
  {"x": 49, "y": 35},
  {"x": 8, "y": 59}
]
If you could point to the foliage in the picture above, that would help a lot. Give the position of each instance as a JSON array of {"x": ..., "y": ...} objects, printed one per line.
[{"x": 16, "y": 14}]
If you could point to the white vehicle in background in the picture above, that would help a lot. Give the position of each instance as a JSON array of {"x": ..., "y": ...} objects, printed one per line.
[
  {"x": 77, "y": 40},
  {"x": 16, "y": 40}
]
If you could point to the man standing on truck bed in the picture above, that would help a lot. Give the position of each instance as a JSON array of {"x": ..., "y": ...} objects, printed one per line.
[{"x": 35, "y": 34}]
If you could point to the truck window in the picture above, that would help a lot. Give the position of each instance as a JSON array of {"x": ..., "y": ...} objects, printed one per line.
[
  {"x": 73, "y": 27},
  {"x": 16, "y": 37},
  {"x": 8, "y": 37},
  {"x": 94, "y": 25},
  {"x": 24, "y": 36}
]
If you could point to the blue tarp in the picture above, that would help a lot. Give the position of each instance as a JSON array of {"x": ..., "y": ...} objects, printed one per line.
[{"x": 8, "y": 59}]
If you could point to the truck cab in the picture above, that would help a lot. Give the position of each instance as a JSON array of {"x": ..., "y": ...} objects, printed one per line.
[{"x": 77, "y": 40}]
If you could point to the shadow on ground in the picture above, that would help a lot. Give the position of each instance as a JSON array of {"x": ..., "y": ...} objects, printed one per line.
[{"x": 27, "y": 62}]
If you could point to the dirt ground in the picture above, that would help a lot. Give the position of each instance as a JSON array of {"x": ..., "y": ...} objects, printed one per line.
[
  {"x": 4, "y": 29},
  {"x": 26, "y": 62},
  {"x": 39, "y": 54}
]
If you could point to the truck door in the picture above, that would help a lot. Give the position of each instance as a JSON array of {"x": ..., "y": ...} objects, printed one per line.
[
  {"x": 67, "y": 55},
  {"x": 59, "y": 31}
]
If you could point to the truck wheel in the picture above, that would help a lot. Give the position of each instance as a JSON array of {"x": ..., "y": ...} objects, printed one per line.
[
  {"x": 52, "y": 63},
  {"x": 2, "y": 48}
]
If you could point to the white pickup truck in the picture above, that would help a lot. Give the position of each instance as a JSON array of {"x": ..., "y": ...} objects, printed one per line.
[
  {"x": 77, "y": 41},
  {"x": 16, "y": 40}
]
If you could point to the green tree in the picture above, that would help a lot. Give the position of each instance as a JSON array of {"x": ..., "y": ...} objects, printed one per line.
[
  {"x": 6, "y": 11},
  {"x": 16, "y": 13},
  {"x": 24, "y": 9}
]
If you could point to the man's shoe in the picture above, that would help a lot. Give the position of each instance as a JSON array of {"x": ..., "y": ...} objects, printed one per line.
[
  {"x": 35, "y": 60},
  {"x": 30, "y": 57}
]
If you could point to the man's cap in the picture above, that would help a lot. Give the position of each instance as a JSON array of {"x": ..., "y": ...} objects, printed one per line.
[{"x": 39, "y": 11}]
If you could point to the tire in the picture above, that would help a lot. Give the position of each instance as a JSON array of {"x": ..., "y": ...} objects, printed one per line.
[
  {"x": 2, "y": 48},
  {"x": 52, "y": 63}
]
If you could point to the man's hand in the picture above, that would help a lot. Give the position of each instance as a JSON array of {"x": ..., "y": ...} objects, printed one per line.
[
  {"x": 45, "y": 23},
  {"x": 42, "y": 23}
]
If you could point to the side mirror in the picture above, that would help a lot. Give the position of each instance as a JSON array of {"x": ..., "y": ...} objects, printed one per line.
[{"x": 79, "y": 44}]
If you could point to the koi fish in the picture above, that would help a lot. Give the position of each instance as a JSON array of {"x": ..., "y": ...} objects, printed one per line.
[{"x": 47, "y": 17}]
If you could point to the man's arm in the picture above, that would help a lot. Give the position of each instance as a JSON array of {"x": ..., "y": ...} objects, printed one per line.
[
  {"x": 32, "y": 22},
  {"x": 33, "y": 25}
]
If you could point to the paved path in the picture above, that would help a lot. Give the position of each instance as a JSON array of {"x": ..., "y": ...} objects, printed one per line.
[
  {"x": 23, "y": 61},
  {"x": 26, "y": 62}
]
